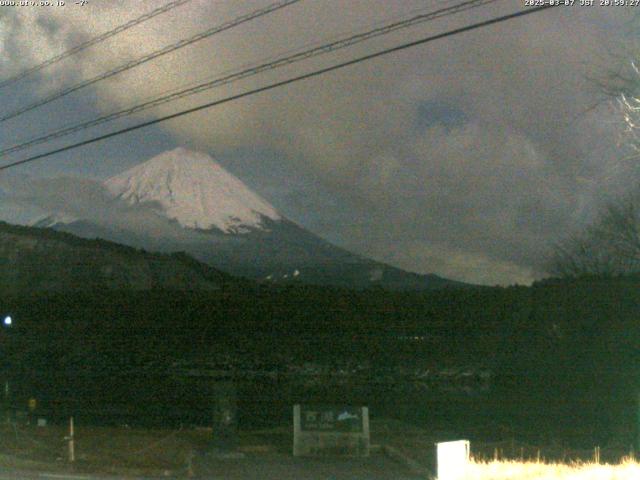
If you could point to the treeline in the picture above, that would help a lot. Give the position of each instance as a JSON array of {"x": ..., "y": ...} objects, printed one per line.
[
  {"x": 588, "y": 324},
  {"x": 562, "y": 351}
]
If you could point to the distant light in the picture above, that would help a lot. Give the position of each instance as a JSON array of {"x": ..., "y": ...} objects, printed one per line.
[{"x": 8, "y": 321}]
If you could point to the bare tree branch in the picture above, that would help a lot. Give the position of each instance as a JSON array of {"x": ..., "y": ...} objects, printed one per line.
[{"x": 609, "y": 246}]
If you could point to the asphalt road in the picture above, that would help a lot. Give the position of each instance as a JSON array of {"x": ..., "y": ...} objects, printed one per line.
[
  {"x": 274, "y": 466},
  {"x": 287, "y": 467},
  {"x": 8, "y": 474}
]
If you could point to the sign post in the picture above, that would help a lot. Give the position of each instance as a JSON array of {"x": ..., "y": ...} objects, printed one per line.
[
  {"x": 637, "y": 439},
  {"x": 225, "y": 422}
]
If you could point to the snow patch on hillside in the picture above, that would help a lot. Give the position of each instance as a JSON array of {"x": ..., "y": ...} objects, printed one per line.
[{"x": 48, "y": 221}]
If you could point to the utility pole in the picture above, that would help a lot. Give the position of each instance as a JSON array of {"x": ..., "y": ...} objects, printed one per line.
[
  {"x": 72, "y": 451},
  {"x": 7, "y": 405},
  {"x": 637, "y": 429},
  {"x": 6, "y": 400}
]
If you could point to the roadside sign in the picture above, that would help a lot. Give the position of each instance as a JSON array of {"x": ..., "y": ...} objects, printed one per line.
[{"x": 330, "y": 430}]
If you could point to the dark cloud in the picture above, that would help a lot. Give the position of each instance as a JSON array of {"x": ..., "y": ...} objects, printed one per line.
[{"x": 465, "y": 157}]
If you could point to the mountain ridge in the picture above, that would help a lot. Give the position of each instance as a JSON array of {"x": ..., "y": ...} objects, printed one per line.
[
  {"x": 218, "y": 220},
  {"x": 45, "y": 260}
]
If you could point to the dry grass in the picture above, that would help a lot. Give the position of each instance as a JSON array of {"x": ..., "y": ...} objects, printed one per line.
[
  {"x": 100, "y": 449},
  {"x": 514, "y": 470},
  {"x": 154, "y": 452},
  {"x": 515, "y": 460},
  {"x": 121, "y": 451}
]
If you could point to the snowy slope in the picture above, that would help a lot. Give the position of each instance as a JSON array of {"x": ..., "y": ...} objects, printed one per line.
[
  {"x": 47, "y": 221},
  {"x": 210, "y": 214},
  {"x": 191, "y": 188}
]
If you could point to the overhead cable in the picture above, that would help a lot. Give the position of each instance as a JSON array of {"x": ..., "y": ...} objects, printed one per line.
[
  {"x": 251, "y": 71},
  {"x": 94, "y": 41},
  {"x": 152, "y": 56},
  {"x": 272, "y": 86}
]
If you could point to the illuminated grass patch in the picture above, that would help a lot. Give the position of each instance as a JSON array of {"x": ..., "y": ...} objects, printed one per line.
[{"x": 507, "y": 470}]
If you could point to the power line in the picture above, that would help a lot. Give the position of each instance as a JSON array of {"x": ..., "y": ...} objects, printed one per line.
[
  {"x": 272, "y": 86},
  {"x": 152, "y": 56},
  {"x": 254, "y": 70},
  {"x": 89, "y": 43}
]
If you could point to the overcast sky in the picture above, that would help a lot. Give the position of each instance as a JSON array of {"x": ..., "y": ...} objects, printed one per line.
[{"x": 466, "y": 157}]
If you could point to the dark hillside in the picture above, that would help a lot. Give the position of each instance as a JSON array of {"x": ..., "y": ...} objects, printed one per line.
[
  {"x": 562, "y": 353},
  {"x": 36, "y": 260}
]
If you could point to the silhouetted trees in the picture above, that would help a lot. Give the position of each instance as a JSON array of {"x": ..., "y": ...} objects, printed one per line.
[{"x": 609, "y": 246}]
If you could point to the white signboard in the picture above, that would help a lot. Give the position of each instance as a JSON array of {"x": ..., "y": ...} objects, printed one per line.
[
  {"x": 453, "y": 460},
  {"x": 330, "y": 430}
]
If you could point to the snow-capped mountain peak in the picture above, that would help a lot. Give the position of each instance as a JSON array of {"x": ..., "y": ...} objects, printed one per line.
[{"x": 194, "y": 190}]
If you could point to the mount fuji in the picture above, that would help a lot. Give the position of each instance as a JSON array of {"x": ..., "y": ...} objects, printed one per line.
[
  {"x": 222, "y": 222},
  {"x": 194, "y": 190}
]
